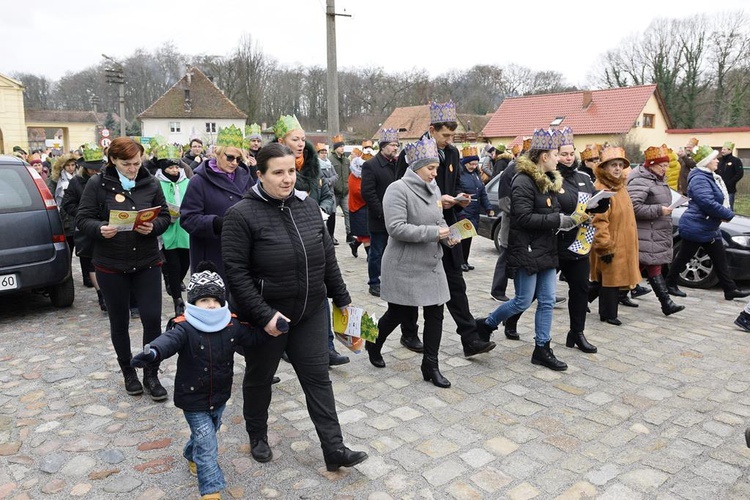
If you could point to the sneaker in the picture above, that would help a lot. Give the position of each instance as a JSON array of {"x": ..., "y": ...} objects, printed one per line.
[
  {"x": 500, "y": 298},
  {"x": 375, "y": 290}
]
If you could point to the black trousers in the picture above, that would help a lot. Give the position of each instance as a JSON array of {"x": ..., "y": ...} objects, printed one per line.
[
  {"x": 306, "y": 344},
  {"x": 576, "y": 273},
  {"x": 466, "y": 248},
  {"x": 433, "y": 325},
  {"x": 117, "y": 288},
  {"x": 500, "y": 278},
  {"x": 715, "y": 250},
  {"x": 609, "y": 300},
  {"x": 176, "y": 266}
]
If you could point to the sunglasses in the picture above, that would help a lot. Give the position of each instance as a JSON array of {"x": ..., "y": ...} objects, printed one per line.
[{"x": 232, "y": 158}]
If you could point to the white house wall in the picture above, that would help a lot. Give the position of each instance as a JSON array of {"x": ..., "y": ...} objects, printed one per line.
[{"x": 189, "y": 129}]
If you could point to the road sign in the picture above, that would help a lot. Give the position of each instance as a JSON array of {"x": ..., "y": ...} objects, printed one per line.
[
  {"x": 105, "y": 132},
  {"x": 105, "y": 142}
]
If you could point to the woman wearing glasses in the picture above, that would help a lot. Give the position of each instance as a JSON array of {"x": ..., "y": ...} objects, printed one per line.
[{"x": 218, "y": 183}]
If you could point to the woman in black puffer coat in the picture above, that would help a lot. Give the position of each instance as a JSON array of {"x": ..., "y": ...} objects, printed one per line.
[
  {"x": 281, "y": 265},
  {"x": 127, "y": 261}
]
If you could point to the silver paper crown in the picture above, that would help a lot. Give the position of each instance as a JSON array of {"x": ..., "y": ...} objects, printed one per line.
[
  {"x": 421, "y": 153},
  {"x": 442, "y": 113},
  {"x": 545, "y": 139},
  {"x": 389, "y": 135},
  {"x": 566, "y": 136}
]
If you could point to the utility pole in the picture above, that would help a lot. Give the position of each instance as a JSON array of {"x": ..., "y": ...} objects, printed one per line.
[
  {"x": 333, "y": 75},
  {"x": 116, "y": 75}
]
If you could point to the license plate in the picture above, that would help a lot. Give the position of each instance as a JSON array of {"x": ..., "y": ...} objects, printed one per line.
[{"x": 8, "y": 282}]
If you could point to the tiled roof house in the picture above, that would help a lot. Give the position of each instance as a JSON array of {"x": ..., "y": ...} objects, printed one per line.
[
  {"x": 193, "y": 108},
  {"x": 413, "y": 121}
]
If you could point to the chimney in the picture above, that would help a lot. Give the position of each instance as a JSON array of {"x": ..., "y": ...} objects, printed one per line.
[
  {"x": 263, "y": 126},
  {"x": 587, "y": 98},
  {"x": 189, "y": 74}
]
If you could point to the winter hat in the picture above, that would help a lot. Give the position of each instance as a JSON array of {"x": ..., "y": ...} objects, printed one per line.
[
  {"x": 35, "y": 161},
  {"x": 19, "y": 149},
  {"x": 704, "y": 155},
  {"x": 206, "y": 282},
  {"x": 338, "y": 141}
]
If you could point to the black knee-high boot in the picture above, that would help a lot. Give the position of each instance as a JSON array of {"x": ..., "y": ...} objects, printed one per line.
[{"x": 659, "y": 284}]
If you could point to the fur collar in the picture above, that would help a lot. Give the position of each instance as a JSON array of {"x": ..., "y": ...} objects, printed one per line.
[
  {"x": 549, "y": 182},
  {"x": 606, "y": 179}
]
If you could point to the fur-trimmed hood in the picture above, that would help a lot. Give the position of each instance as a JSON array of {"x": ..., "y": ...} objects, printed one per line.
[
  {"x": 604, "y": 177},
  {"x": 546, "y": 182}
]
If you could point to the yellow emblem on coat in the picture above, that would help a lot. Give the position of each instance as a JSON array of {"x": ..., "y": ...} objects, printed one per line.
[
  {"x": 562, "y": 190},
  {"x": 440, "y": 204},
  {"x": 119, "y": 198},
  {"x": 549, "y": 202},
  {"x": 450, "y": 168}
]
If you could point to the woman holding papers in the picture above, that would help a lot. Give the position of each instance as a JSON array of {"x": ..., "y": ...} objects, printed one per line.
[
  {"x": 614, "y": 260},
  {"x": 535, "y": 219},
  {"x": 127, "y": 260},
  {"x": 281, "y": 265},
  {"x": 412, "y": 273},
  {"x": 651, "y": 199},
  {"x": 472, "y": 185}
]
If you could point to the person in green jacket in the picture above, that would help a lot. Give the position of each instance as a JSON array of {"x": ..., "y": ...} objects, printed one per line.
[{"x": 176, "y": 241}]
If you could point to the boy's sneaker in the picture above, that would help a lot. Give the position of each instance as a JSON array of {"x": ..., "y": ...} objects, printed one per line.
[{"x": 193, "y": 468}]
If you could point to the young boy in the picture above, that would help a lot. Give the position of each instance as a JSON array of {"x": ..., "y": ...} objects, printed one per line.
[{"x": 205, "y": 338}]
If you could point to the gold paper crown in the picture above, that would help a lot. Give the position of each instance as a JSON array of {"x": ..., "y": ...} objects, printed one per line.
[
  {"x": 515, "y": 149},
  {"x": 92, "y": 152},
  {"x": 654, "y": 155},
  {"x": 590, "y": 151},
  {"x": 526, "y": 144},
  {"x": 321, "y": 146},
  {"x": 337, "y": 138},
  {"x": 286, "y": 124},
  {"x": 469, "y": 151},
  {"x": 230, "y": 136},
  {"x": 613, "y": 153},
  {"x": 692, "y": 142}
]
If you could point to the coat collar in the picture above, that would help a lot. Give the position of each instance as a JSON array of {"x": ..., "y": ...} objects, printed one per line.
[
  {"x": 418, "y": 186},
  {"x": 546, "y": 182}
]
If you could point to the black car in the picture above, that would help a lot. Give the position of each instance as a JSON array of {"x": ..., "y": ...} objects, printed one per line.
[
  {"x": 699, "y": 272},
  {"x": 34, "y": 253}
]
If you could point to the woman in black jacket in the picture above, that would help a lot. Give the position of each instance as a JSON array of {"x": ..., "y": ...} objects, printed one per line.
[
  {"x": 127, "y": 261},
  {"x": 535, "y": 218},
  {"x": 280, "y": 265}
]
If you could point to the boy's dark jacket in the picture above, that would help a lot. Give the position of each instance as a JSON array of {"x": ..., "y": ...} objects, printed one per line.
[{"x": 205, "y": 363}]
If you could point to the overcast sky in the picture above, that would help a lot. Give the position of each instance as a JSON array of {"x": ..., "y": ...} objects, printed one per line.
[{"x": 51, "y": 38}]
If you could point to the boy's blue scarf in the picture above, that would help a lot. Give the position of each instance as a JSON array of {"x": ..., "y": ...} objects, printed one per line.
[{"x": 208, "y": 320}]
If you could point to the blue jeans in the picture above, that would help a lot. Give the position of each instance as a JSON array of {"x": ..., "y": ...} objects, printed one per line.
[
  {"x": 203, "y": 448},
  {"x": 541, "y": 285},
  {"x": 378, "y": 241}
]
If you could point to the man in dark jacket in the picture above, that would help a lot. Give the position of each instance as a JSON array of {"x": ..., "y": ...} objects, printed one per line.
[
  {"x": 685, "y": 157},
  {"x": 377, "y": 174},
  {"x": 443, "y": 124},
  {"x": 341, "y": 189},
  {"x": 730, "y": 169}
]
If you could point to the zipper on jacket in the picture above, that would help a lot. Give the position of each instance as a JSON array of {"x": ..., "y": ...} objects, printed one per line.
[
  {"x": 210, "y": 373},
  {"x": 307, "y": 267}
]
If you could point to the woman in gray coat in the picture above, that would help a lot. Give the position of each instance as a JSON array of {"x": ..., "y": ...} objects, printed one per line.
[
  {"x": 412, "y": 272},
  {"x": 651, "y": 199}
]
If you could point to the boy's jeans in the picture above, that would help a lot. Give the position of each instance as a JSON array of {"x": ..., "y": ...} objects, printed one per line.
[{"x": 203, "y": 448}]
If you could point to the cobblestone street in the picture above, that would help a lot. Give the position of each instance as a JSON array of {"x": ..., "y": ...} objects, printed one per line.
[{"x": 658, "y": 412}]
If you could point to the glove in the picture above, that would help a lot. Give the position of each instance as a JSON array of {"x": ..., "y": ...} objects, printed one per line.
[
  {"x": 607, "y": 259},
  {"x": 599, "y": 208},
  {"x": 143, "y": 359},
  {"x": 218, "y": 223},
  {"x": 566, "y": 222}
]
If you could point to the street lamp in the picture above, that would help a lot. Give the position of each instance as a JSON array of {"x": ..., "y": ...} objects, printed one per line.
[{"x": 116, "y": 75}]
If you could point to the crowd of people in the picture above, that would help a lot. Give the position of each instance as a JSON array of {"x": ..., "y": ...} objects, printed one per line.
[{"x": 255, "y": 225}]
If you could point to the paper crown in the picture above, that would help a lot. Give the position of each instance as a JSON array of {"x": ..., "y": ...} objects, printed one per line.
[
  {"x": 286, "y": 124},
  {"x": 515, "y": 149},
  {"x": 704, "y": 155},
  {"x": 155, "y": 143},
  {"x": 545, "y": 139},
  {"x": 421, "y": 153},
  {"x": 92, "y": 152},
  {"x": 168, "y": 152},
  {"x": 388, "y": 135},
  {"x": 566, "y": 136},
  {"x": 442, "y": 113},
  {"x": 253, "y": 131},
  {"x": 321, "y": 147},
  {"x": 729, "y": 145},
  {"x": 526, "y": 144},
  {"x": 500, "y": 148},
  {"x": 230, "y": 137},
  {"x": 613, "y": 153},
  {"x": 590, "y": 151},
  {"x": 467, "y": 150},
  {"x": 654, "y": 155},
  {"x": 692, "y": 142}
]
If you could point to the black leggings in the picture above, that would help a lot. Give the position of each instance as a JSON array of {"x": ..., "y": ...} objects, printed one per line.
[
  {"x": 176, "y": 265},
  {"x": 145, "y": 285}
]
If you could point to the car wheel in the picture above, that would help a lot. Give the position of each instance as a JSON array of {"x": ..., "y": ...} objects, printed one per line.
[
  {"x": 699, "y": 271},
  {"x": 63, "y": 295}
]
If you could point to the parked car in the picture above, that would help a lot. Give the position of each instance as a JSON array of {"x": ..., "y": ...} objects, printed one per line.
[
  {"x": 34, "y": 254},
  {"x": 699, "y": 272}
]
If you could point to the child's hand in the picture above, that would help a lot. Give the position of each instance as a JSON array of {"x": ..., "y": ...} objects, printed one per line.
[
  {"x": 271, "y": 328},
  {"x": 143, "y": 358}
]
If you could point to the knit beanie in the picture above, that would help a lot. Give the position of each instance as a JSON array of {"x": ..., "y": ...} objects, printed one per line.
[{"x": 206, "y": 282}]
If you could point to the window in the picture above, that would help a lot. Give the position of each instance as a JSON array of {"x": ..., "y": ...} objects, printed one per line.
[
  {"x": 211, "y": 127},
  {"x": 557, "y": 121},
  {"x": 174, "y": 127},
  {"x": 648, "y": 121}
]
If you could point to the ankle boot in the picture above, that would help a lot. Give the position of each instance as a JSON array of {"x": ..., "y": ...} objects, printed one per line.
[
  {"x": 483, "y": 329},
  {"x": 343, "y": 457},
  {"x": 132, "y": 384},
  {"x": 672, "y": 288},
  {"x": 743, "y": 321},
  {"x": 151, "y": 383},
  {"x": 179, "y": 306},
  {"x": 579, "y": 339},
  {"x": 87, "y": 279},
  {"x": 639, "y": 291},
  {"x": 625, "y": 299},
  {"x": 544, "y": 356},
  {"x": 431, "y": 371},
  {"x": 511, "y": 327},
  {"x": 102, "y": 305},
  {"x": 373, "y": 351},
  {"x": 354, "y": 245},
  {"x": 659, "y": 284}
]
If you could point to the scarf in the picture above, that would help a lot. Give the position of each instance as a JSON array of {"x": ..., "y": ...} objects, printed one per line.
[
  {"x": 62, "y": 185},
  {"x": 127, "y": 184},
  {"x": 719, "y": 182},
  {"x": 299, "y": 161},
  {"x": 213, "y": 166},
  {"x": 207, "y": 320}
]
